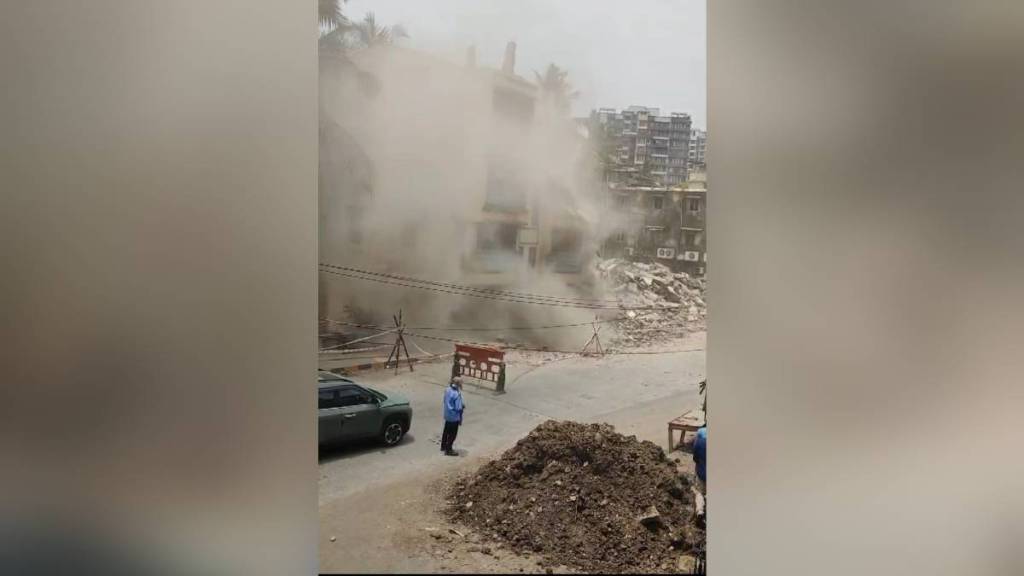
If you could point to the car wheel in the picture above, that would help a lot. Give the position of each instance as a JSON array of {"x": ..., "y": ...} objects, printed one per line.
[{"x": 393, "y": 432}]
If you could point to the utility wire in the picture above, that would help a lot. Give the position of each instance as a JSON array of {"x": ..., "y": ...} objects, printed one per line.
[
  {"x": 578, "y": 352},
  {"x": 464, "y": 287},
  {"x": 481, "y": 329},
  {"x": 504, "y": 299},
  {"x": 473, "y": 293},
  {"x": 343, "y": 344},
  {"x": 472, "y": 329},
  {"x": 334, "y": 349},
  {"x": 513, "y": 347}
]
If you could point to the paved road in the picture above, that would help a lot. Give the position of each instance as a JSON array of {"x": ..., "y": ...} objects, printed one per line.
[{"x": 636, "y": 393}]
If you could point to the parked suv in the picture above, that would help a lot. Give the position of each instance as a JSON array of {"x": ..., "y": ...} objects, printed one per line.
[{"x": 349, "y": 411}]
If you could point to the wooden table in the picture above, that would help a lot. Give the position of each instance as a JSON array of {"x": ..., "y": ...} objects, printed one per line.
[{"x": 689, "y": 422}]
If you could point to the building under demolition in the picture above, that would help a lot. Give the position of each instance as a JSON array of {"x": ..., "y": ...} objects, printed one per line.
[{"x": 453, "y": 172}]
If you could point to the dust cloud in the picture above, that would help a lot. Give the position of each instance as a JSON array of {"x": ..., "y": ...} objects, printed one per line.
[{"x": 429, "y": 169}]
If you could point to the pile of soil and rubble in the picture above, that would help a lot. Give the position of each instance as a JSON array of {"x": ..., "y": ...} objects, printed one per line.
[
  {"x": 677, "y": 297},
  {"x": 586, "y": 497}
]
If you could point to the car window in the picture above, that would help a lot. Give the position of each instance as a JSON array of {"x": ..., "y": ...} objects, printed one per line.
[
  {"x": 353, "y": 397},
  {"x": 328, "y": 399}
]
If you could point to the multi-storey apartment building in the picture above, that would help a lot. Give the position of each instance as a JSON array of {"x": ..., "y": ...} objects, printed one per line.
[
  {"x": 642, "y": 143},
  {"x": 698, "y": 147}
]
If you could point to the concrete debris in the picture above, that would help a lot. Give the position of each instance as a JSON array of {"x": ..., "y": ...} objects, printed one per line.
[
  {"x": 651, "y": 517},
  {"x": 676, "y": 300},
  {"x": 687, "y": 564}
]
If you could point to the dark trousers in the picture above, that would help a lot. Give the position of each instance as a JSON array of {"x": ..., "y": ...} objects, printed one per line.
[{"x": 451, "y": 430}]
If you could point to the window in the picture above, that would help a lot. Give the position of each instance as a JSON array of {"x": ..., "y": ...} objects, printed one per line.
[
  {"x": 328, "y": 399},
  {"x": 658, "y": 201},
  {"x": 496, "y": 236},
  {"x": 693, "y": 239},
  {"x": 353, "y": 397},
  {"x": 506, "y": 191},
  {"x": 693, "y": 205}
]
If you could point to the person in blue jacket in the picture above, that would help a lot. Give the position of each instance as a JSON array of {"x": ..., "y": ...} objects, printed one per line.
[
  {"x": 700, "y": 448},
  {"x": 453, "y": 408}
]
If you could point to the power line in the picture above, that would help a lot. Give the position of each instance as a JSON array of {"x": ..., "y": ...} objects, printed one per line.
[
  {"x": 503, "y": 299},
  {"x": 464, "y": 287},
  {"x": 361, "y": 339},
  {"x": 513, "y": 347},
  {"x": 482, "y": 329},
  {"x": 479, "y": 293},
  {"x": 474, "y": 295},
  {"x": 527, "y": 349},
  {"x": 353, "y": 324},
  {"x": 472, "y": 329}
]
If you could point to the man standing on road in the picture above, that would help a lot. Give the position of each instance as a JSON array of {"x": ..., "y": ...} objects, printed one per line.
[{"x": 453, "y": 408}]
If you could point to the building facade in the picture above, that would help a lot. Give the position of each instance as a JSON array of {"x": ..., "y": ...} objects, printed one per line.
[
  {"x": 643, "y": 144},
  {"x": 660, "y": 224},
  {"x": 698, "y": 148}
]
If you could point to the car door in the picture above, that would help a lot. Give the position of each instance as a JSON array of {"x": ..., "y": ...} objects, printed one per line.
[
  {"x": 329, "y": 415},
  {"x": 360, "y": 413}
]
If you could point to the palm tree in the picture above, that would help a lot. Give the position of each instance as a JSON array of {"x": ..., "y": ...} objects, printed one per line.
[
  {"x": 554, "y": 84},
  {"x": 333, "y": 28},
  {"x": 330, "y": 15},
  {"x": 368, "y": 33}
]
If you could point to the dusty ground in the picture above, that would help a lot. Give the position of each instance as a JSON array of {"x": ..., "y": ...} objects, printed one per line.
[{"x": 383, "y": 508}]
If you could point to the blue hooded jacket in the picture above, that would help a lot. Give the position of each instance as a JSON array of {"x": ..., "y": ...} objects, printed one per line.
[
  {"x": 453, "y": 404},
  {"x": 700, "y": 448}
]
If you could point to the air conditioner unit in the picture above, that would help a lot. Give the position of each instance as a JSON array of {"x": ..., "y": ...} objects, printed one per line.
[
  {"x": 666, "y": 252},
  {"x": 691, "y": 256}
]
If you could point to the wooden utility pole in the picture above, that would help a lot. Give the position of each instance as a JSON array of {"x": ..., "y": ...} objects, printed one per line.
[
  {"x": 703, "y": 388},
  {"x": 594, "y": 339},
  {"x": 396, "y": 350}
]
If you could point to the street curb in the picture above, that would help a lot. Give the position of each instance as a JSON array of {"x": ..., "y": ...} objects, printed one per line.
[{"x": 370, "y": 366}]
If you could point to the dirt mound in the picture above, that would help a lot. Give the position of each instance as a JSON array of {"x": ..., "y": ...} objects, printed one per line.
[
  {"x": 585, "y": 497},
  {"x": 676, "y": 299}
]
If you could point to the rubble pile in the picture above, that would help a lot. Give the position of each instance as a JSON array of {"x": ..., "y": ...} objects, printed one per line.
[
  {"x": 677, "y": 299},
  {"x": 586, "y": 497}
]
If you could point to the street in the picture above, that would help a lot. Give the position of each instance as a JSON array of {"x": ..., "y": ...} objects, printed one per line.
[{"x": 380, "y": 505}]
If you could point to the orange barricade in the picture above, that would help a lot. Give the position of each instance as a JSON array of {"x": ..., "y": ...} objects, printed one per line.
[{"x": 481, "y": 363}]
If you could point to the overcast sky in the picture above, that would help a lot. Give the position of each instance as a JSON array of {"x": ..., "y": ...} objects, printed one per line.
[{"x": 644, "y": 52}]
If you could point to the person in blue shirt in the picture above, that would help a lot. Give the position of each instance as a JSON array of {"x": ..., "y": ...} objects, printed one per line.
[
  {"x": 700, "y": 447},
  {"x": 453, "y": 408}
]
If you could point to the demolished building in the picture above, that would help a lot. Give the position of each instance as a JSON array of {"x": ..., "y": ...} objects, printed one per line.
[{"x": 470, "y": 179}]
